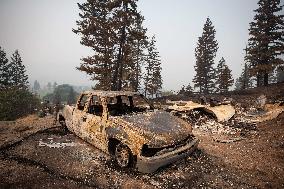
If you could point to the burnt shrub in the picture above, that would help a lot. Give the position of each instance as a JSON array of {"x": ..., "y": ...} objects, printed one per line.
[{"x": 16, "y": 103}]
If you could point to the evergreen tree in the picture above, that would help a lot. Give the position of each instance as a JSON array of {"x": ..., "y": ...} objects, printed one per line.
[
  {"x": 125, "y": 15},
  {"x": 266, "y": 42},
  {"x": 17, "y": 70},
  {"x": 71, "y": 99},
  {"x": 4, "y": 71},
  {"x": 224, "y": 77},
  {"x": 54, "y": 86},
  {"x": 96, "y": 30},
  {"x": 36, "y": 87},
  {"x": 182, "y": 90},
  {"x": 205, "y": 53},
  {"x": 139, "y": 48},
  {"x": 188, "y": 89},
  {"x": 110, "y": 29},
  {"x": 280, "y": 74},
  {"x": 238, "y": 84},
  {"x": 15, "y": 99},
  {"x": 49, "y": 87},
  {"x": 272, "y": 77},
  {"x": 153, "y": 79},
  {"x": 244, "y": 81},
  {"x": 185, "y": 90},
  {"x": 62, "y": 94},
  {"x": 56, "y": 97}
]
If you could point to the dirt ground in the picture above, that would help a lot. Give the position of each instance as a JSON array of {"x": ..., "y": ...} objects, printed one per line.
[{"x": 34, "y": 153}]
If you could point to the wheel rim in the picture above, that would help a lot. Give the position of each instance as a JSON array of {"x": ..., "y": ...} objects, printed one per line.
[{"x": 122, "y": 155}]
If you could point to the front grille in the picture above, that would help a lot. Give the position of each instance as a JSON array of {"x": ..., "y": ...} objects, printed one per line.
[{"x": 150, "y": 152}]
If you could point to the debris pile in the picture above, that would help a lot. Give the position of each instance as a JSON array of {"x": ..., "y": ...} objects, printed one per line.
[
  {"x": 225, "y": 119},
  {"x": 221, "y": 111},
  {"x": 206, "y": 123}
]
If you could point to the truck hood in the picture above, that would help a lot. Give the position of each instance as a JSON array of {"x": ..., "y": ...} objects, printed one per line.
[{"x": 159, "y": 128}]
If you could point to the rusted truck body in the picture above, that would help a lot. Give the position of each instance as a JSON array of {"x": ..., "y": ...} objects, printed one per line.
[{"x": 126, "y": 126}]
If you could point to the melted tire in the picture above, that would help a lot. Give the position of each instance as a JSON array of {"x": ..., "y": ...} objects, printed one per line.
[{"x": 123, "y": 156}]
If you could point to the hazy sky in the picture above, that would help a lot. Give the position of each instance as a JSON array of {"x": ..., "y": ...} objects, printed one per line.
[{"x": 42, "y": 32}]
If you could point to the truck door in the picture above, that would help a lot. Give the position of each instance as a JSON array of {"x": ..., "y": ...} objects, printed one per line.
[
  {"x": 96, "y": 125},
  {"x": 89, "y": 121},
  {"x": 79, "y": 114}
]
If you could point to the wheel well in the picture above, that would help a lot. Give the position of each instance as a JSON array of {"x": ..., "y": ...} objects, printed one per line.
[{"x": 112, "y": 143}]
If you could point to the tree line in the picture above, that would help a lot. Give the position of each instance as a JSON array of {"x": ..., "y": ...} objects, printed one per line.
[
  {"x": 262, "y": 59},
  {"x": 15, "y": 98},
  {"x": 124, "y": 57}
]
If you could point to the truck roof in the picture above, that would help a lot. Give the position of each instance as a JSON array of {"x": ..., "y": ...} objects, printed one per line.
[{"x": 110, "y": 93}]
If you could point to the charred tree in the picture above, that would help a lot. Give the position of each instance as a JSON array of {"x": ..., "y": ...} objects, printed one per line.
[
  {"x": 205, "y": 54},
  {"x": 266, "y": 42}
]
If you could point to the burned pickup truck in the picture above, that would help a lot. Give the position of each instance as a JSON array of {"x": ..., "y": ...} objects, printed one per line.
[{"x": 126, "y": 126}]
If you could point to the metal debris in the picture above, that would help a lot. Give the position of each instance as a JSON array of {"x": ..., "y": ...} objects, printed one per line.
[{"x": 221, "y": 112}]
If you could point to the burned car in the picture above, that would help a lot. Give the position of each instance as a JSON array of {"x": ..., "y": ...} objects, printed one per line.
[{"x": 126, "y": 126}]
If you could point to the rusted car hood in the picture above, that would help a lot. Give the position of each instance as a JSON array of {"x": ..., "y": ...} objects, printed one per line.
[{"x": 160, "y": 128}]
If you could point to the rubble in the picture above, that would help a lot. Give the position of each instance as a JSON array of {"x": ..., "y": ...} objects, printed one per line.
[
  {"x": 225, "y": 119},
  {"x": 268, "y": 112},
  {"x": 222, "y": 112}
]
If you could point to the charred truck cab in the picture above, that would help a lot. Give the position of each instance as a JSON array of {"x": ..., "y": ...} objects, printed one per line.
[{"x": 126, "y": 126}]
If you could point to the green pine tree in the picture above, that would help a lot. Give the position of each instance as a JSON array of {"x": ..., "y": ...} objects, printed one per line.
[
  {"x": 15, "y": 99},
  {"x": 111, "y": 29},
  {"x": 17, "y": 70},
  {"x": 205, "y": 54},
  {"x": 71, "y": 99},
  {"x": 280, "y": 74},
  {"x": 36, "y": 86},
  {"x": 97, "y": 32},
  {"x": 125, "y": 16},
  {"x": 182, "y": 90},
  {"x": 188, "y": 89},
  {"x": 266, "y": 42},
  {"x": 224, "y": 77},
  {"x": 244, "y": 81},
  {"x": 5, "y": 76},
  {"x": 153, "y": 79},
  {"x": 139, "y": 50}
]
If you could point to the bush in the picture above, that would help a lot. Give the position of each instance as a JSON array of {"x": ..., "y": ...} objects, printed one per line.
[{"x": 15, "y": 103}]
